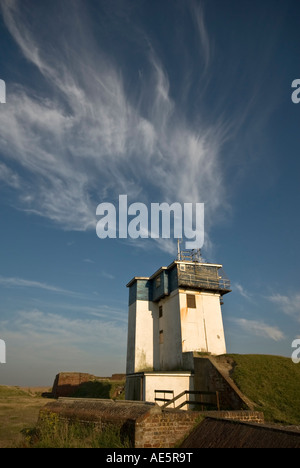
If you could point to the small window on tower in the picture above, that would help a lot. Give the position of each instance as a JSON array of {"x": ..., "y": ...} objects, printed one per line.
[
  {"x": 161, "y": 337},
  {"x": 160, "y": 311},
  {"x": 191, "y": 301}
]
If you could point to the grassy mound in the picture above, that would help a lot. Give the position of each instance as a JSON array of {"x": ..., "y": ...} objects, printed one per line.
[
  {"x": 7, "y": 392},
  {"x": 272, "y": 383}
]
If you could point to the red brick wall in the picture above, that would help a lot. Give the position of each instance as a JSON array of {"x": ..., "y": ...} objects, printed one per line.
[
  {"x": 163, "y": 430},
  {"x": 66, "y": 383},
  {"x": 167, "y": 429}
]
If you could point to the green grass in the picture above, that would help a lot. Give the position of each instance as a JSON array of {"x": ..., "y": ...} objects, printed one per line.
[
  {"x": 18, "y": 409},
  {"x": 19, "y": 412},
  {"x": 54, "y": 433},
  {"x": 272, "y": 383},
  {"x": 11, "y": 392}
]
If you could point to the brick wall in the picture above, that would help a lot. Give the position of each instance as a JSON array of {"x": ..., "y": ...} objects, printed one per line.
[
  {"x": 66, "y": 383},
  {"x": 168, "y": 428},
  {"x": 163, "y": 430},
  {"x": 146, "y": 425}
]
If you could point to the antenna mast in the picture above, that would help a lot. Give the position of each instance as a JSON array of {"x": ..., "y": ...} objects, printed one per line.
[{"x": 178, "y": 249}]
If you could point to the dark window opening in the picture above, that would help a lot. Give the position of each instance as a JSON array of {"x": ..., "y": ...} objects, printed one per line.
[{"x": 191, "y": 301}]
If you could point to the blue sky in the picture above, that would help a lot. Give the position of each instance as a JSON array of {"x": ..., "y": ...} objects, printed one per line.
[{"x": 174, "y": 101}]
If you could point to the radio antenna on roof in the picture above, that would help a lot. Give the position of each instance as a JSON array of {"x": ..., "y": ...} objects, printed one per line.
[{"x": 178, "y": 249}]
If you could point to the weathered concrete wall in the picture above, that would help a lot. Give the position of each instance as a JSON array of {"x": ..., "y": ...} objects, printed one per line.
[
  {"x": 170, "y": 342},
  {"x": 202, "y": 327},
  {"x": 209, "y": 376},
  {"x": 140, "y": 341}
]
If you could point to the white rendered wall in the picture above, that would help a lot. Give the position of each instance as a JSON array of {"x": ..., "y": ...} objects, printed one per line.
[
  {"x": 214, "y": 323},
  {"x": 141, "y": 346},
  {"x": 130, "y": 360},
  {"x": 178, "y": 382},
  {"x": 170, "y": 355},
  {"x": 202, "y": 327},
  {"x": 183, "y": 330}
]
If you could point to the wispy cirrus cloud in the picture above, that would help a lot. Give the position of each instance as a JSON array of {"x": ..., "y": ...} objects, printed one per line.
[
  {"x": 242, "y": 291},
  {"x": 40, "y": 344},
  {"x": 14, "y": 282},
  {"x": 85, "y": 137},
  {"x": 290, "y": 304},
  {"x": 260, "y": 328}
]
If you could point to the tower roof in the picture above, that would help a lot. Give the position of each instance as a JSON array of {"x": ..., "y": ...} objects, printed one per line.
[{"x": 185, "y": 274}]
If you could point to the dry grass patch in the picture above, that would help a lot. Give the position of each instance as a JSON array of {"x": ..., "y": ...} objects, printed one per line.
[{"x": 19, "y": 408}]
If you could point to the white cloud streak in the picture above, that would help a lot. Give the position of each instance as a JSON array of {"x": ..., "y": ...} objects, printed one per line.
[
  {"x": 241, "y": 290},
  {"x": 39, "y": 345},
  {"x": 290, "y": 305},
  {"x": 23, "y": 283},
  {"x": 85, "y": 140},
  {"x": 260, "y": 329}
]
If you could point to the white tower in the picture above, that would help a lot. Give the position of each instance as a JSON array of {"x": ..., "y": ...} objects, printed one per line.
[{"x": 174, "y": 313}]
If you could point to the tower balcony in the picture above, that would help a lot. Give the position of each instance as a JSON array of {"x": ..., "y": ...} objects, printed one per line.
[{"x": 203, "y": 277}]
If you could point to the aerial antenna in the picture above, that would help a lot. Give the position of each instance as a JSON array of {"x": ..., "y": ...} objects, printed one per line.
[{"x": 178, "y": 249}]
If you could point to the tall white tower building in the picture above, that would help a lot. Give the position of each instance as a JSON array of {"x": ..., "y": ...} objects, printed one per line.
[{"x": 173, "y": 314}]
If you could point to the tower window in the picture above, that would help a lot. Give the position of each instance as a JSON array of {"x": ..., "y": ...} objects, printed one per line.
[
  {"x": 191, "y": 301},
  {"x": 161, "y": 337},
  {"x": 160, "y": 311},
  {"x": 157, "y": 281}
]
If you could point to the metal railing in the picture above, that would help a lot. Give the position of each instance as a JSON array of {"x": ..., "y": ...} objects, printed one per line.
[
  {"x": 164, "y": 399},
  {"x": 189, "y": 279},
  {"x": 169, "y": 401}
]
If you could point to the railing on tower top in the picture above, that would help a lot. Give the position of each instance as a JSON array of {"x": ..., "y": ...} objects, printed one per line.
[
  {"x": 190, "y": 255},
  {"x": 200, "y": 274},
  {"x": 220, "y": 283}
]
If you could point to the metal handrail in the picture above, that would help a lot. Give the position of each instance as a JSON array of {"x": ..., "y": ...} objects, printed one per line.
[
  {"x": 193, "y": 392},
  {"x": 221, "y": 283},
  {"x": 164, "y": 392}
]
